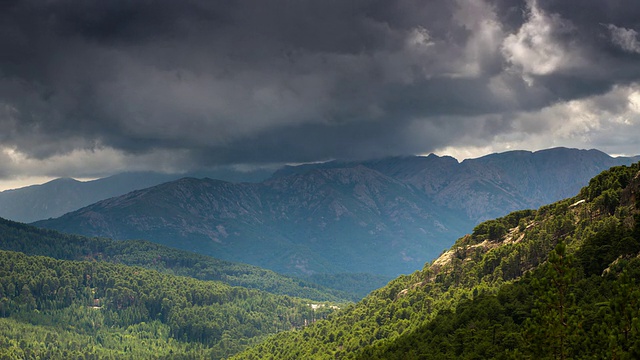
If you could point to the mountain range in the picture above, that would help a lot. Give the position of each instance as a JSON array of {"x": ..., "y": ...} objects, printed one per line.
[
  {"x": 493, "y": 185},
  {"x": 383, "y": 217},
  {"x": 60, "y": 196},
  {"x": 298, "y": 224}
]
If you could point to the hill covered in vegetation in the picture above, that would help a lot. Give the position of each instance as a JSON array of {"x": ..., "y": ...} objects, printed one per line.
[
  {"x": 34, "y": 241},
  {"x": 94, "y": 309},
  {"x": 560, "y": 282}
]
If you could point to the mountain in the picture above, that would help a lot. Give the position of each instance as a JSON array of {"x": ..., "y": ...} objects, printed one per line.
[
  {"x": 383, "y": 217},
  {"x": 493, "y": 185},
  {"x": 34, "y": 241},
  {"x": 60, "y": 196},
  {"x": 560, "y": 282},
  {"x": 501, "y": 183},
  {"x": 63, "y": 195},
  {"x": 297, "y": 224}
]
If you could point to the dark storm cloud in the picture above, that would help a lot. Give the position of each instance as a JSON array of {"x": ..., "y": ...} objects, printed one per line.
[
  {"x": 592, "y": 22},
  {"x": 284, "y": 80}
]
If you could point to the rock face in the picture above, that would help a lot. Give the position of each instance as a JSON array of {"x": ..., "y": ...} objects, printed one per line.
[{"x": 386, "y": 217}]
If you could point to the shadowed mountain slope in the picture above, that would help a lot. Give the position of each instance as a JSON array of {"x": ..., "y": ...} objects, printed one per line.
[
  {"x": 334, "y": 220},
  {"x": 493, "y": 185}
]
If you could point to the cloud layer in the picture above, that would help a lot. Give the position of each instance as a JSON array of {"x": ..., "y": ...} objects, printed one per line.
[{"x": 96, "y": 86}]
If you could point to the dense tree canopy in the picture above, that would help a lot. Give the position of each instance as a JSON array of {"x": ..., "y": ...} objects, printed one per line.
[
  {"x": 33, "y": 241},
  {"x": 103, "y": 300}
]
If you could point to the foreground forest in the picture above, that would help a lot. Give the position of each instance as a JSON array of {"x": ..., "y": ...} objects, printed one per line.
[{"x": 557, "y": 283}]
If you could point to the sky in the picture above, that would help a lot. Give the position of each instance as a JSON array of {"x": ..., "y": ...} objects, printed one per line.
[{"x": 91, "y": 88}]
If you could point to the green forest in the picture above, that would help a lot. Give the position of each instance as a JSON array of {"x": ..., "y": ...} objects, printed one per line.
[
  {"x": 100, "y": 309},
  {"x": 560, "y": 282},
  {"x": 33, "y": 241}
]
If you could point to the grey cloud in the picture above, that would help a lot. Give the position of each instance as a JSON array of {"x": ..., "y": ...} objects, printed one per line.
[
  {"x": 627, "y": 39},
  {"x": 287, "y": 81},
  {"x": 588, "y": 18}
]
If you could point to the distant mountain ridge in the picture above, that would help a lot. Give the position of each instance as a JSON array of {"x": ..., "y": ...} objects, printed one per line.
[
  {"x": 385, "y": 216},
  {"x": 515, "y": 179},
  {"x": 60, "y": 196}
]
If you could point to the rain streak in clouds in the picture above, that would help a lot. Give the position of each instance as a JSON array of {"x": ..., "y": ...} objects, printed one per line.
[{"x": 93, "y": 87}]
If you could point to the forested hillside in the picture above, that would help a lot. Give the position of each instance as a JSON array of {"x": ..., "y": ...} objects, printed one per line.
[
  {"x": 92, "y": 309},
  {"x": 33, "y": 241},
  {"x": 560, "y": 282}
]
